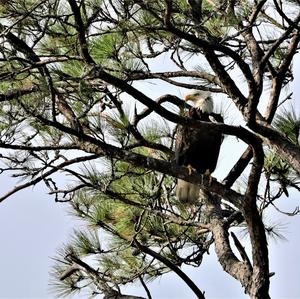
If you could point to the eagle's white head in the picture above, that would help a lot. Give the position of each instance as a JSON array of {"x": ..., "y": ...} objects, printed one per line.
[{"x": 202, "y": 100}]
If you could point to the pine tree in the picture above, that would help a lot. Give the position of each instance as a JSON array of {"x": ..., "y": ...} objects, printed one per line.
[{"x": 74, "y": 101}]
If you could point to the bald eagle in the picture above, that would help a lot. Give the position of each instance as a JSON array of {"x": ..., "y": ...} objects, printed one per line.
[{"x": 196, "y": 148}]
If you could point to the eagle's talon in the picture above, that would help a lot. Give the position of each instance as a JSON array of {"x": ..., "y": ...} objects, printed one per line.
[
  {"x": 191, "y": 169},
  {"x": 207, "y": 174}
]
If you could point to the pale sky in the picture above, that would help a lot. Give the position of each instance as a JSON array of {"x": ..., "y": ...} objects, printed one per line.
[{"x": 33, "y": 227}]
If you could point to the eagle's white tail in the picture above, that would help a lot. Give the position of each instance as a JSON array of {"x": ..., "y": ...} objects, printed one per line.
[{"x": 187, "y": 192}]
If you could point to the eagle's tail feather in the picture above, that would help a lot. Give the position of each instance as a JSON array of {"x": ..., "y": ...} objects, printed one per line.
[{"x": 187, "y": 192}]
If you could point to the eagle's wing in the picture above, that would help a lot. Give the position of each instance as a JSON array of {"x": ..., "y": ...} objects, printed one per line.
[
  {"x": 181, "y": 144},
  {"x": 186, "y": 192},
  {"x": 217, "y": 118}
]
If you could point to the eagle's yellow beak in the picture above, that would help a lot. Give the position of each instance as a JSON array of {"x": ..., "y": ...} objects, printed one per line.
[{"x": 189, "y": 97}]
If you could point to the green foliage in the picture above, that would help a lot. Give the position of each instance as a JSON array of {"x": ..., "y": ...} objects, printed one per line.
[
  {"x": 216, "y": 27},
  {"x": 280, "y": 171},
  {"x": 73, "y": 68},
  {"x": 74, "y": 278},
  {"x": 288, "y": 123},
  {"x": 276, "y": 166},
  {"x": 105, "y": 48},
  {"x": 117, "y": 126},
  {"x": 124, "y": 208},
  {"x": 86, "y": 242}
]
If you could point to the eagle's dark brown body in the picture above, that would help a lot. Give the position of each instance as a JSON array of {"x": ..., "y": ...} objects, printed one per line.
[{"x": 198, "y": 149}]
